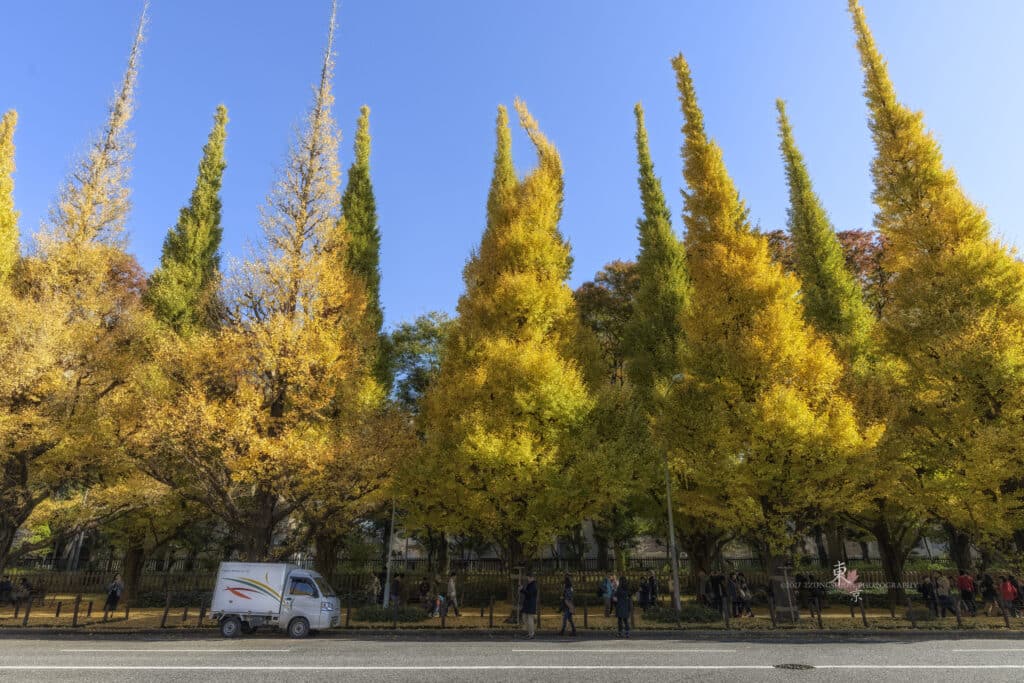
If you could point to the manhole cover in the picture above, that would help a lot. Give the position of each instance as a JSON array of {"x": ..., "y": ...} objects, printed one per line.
[{"x": 794, "y": 666}]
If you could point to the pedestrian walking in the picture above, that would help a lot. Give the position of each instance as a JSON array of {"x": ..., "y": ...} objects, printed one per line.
[
  {"x": 965, "y": 584},
  {"x": 1009, "y": 593},
  {"x": 452, "y": 596},
  {"x": 114, "y": 592},
  {"x": 528, "y": 596},
  {"x": 927, "y": 590},
  {"x": 989, "y": 595},
  {"x": 568, "y": 605},
  {"x": 943, "y": 589},
  {"x": 623, "y": 607},
  {"x": 644, "y": 598},
  {"x": 607, "y": 593}
]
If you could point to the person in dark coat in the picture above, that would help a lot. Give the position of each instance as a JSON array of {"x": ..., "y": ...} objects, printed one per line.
[
  {"x": 568, "y": 606},
  {"x": 652, "y": 584},
  {"x": 623, "y": 606},
  {"x": 644, "y": 598},
  {"x": 528, "y": 595}
]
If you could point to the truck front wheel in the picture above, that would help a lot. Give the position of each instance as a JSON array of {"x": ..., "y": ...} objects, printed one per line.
[
  {"x": 298, "y": 628},
  {"x": 230, "y": 627}
]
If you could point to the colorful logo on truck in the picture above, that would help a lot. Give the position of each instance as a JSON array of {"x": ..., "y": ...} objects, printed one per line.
[{"x": 247, "y": 586}]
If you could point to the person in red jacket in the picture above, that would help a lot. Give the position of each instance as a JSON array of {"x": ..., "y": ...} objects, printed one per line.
[
  {"x": 1008, "y": 592},
  {"x": 966, "y": 585}
]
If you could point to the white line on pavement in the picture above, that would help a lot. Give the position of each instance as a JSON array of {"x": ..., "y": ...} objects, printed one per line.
[
  {"x": 568, "y": 667},
  {"x": 993, "y": 649},
  {"x": 621, "y": 651},
  {"x": 165, "y": 650}
]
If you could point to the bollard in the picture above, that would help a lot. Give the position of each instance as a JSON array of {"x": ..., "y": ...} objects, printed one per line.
[
  {"x": 863, "y": 612},
  {"x": 817, "y": 607},
  {"x": 394, "y": 615},
  {"x": 202, "y": 611},
  {"x": 910, "y": 613},
  {"x": 17, "y": 609},
  {"x": 184, "y": 614},
  {"x": 726, "y": 608},
  {"x": 585, "y": 615},
  {"x": 56, "y": 614},
  {"x": 444, "y": 615},
  {"x": 892, "y": 606},
  {"x": 481, "y": 613},
  {"x": 74, "y": 617},
  {"x": 1002, "y": 608},
  {"x": 28, "y": 610},
  {"x": 167, "y": 608},
  {"x": 490, "y": 618},
  {"x": 88, "y": 611},
  {"x": 771, "y": 609},
  {"x": 126, "y": 611},
  {"x": 852, "y": 615},
  {"x": 959, "y": 622},
  {"x": 348, "y": 612}
]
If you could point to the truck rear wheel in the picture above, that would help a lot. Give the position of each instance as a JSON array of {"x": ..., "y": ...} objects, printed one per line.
[
  {"x": 298, "y": 628},
  {"x": 230, "y": 627}
]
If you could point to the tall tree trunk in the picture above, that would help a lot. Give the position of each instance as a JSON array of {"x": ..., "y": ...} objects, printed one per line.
[
  {"x": 894, "y": 545},
  {"x": 819, "y": 545},
  {"x": 326, "y": 561},
  {"x": 134, "y": 560},
  {"x": 602, "y": 550},
  {"x": 835, "y": 539},
  {"x": 959, "y": 547}
]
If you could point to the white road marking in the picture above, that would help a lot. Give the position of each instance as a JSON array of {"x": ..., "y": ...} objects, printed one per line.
[
  {"x": 568, "y": 667},
  {"x": 622, "y": 651},
  {"x": 165, "y": 650},
  {"x": 994, "y": 649}
]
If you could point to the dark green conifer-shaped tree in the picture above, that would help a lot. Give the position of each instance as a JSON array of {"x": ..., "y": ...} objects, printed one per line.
[{"x": 183, "y": 289}]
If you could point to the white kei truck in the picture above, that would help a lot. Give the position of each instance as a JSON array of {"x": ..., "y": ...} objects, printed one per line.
[{"x": 250, "y": 595}]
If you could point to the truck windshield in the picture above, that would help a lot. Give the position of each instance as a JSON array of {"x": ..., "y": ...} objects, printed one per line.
[{"x": 325, "y": 588}]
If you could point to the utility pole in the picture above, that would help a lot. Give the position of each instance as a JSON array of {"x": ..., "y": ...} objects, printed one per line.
[{"x": 391, "y": 540}]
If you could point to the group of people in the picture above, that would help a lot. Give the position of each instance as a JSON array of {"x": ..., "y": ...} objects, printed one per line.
[
  {"x": 621, "y": 600},
  {"x": 945, "y": 594},
  {"x": 646, "y": 594},
  {"x": 14, "y": 594},
  {"x": 719, "y": 591},
  {"x": 434, "y": 599}
]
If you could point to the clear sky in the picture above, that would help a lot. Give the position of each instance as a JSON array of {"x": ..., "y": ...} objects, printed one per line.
[{"x": 433, "y": 73}]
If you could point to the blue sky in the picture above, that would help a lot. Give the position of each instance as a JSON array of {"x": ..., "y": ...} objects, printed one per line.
[{"x": 433, "y": 73}]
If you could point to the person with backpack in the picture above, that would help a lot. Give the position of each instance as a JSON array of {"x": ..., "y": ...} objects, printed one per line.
[
  {"x": 623, "y": 607},
  {"x": 568, "y": 606},
  {"x": 114, "y": 592}
]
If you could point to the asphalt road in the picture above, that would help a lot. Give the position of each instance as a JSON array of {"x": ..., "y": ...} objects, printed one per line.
[{"x": 502, "y": 658}]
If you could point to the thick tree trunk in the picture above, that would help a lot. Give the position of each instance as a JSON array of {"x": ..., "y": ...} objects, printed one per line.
[
  {"x": 326, "y": 554},
  {"x": 894, "y": 549},
  {"x": 959, "y": 547},
  {"x": 835, "y": 538},
  {"x": 602, "y": 551},
  {"x": 134, "y": 560},
  {"x": 819, "y": 545},
  {"x": 258, "y": 535}
]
